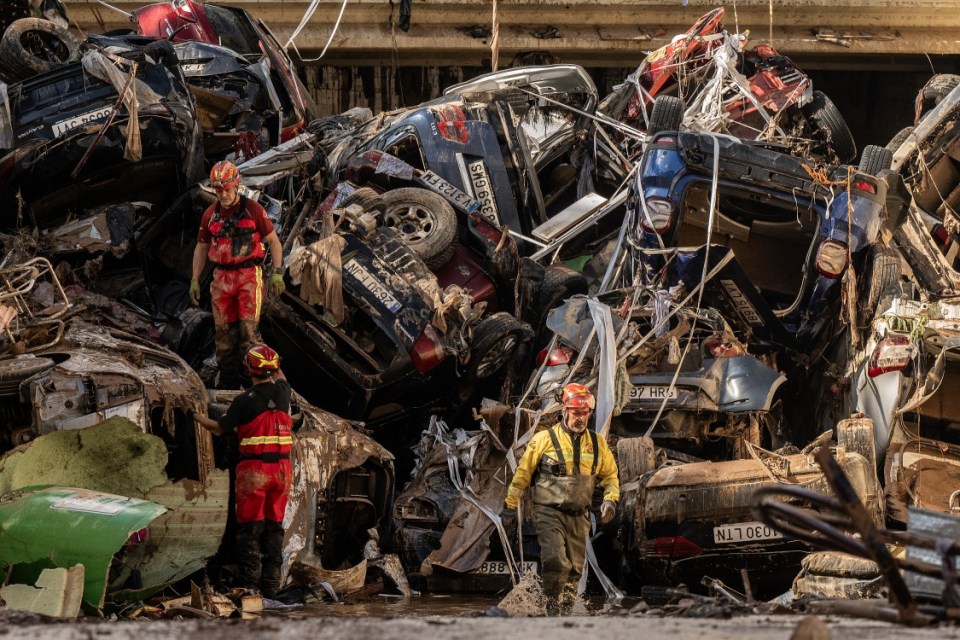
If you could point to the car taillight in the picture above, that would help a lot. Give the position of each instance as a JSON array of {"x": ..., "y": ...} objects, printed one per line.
[
  {"x": 675, "y": 547},
  {"x": 556, "y": 356},
  {"x": 863, "y": 185},
  {"x": 666, "y": 142},
  {"x": 455, "y": 131},
  {"x": 832, "y": 258},
  {"x": 892, "y": 354},
  {"x": 658, "y": 216},
  {"x": 427, "y": 351},
  {"x": 138, "y": 536},
  {"x": 940, "y": 233}
]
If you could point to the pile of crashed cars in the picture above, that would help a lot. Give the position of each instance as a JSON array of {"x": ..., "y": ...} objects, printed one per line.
[{"x": 693, "y": 246}]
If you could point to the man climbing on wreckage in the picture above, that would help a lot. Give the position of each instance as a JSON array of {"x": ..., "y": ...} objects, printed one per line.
[
  {"x": 261, "y": 419},
  {"x": 232, "y": 234},
  {"x": 562, "y": 464}
]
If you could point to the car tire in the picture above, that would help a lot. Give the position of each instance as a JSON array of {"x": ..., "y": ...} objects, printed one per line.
[
  {"x": 875, "y": 159},
  {"x": 933, "y": 92},
  {"x": 897, "y": 140},
  {"x": 15, "y": 370},
  {"x": 425, "y": 221},
  {"x": 885, "y": 273},
  {"x": 495, "y": 341},
  {"x": 827, "y": 124},
  {"x": 665, "y": 115},
  {"x": 558, "y": 284},
  {"x": 365, "y": 197},
  {"x": 32, "y": 45},
  {"x": 635, "y": 457}
]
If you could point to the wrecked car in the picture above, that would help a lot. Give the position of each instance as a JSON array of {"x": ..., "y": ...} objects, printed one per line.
[
  {"x": 707, "y": 75},
  {"x": 32, "y": 522},
  {"x": 290, "y": 104},
  {"x": 118, "y": 125},
  {"x": 681, "y": 522},
  {"x": 383, "y": 335}
]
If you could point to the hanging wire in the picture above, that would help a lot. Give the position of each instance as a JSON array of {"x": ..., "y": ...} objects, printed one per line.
[{"x": 303, "y": 23}]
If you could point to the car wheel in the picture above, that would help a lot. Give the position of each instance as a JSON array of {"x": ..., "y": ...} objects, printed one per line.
[
  {"x": 635, "y": 457},
  {"x": 33, "y": 45},
  {"x": 897, "y": 140},
  {"x": 425, "y": 221},
  {"x": 666, "y": 114},
  {"x": 15, "y": 370},
  {"x": 933, "y": 92},
  {"x": 495, "y": 342},
  {"x": 366, "y": 198},
  {"x": 856, "y": 435},
  {"x": 559, "y": 283},
  {"x": 827, "y": 124},
  {"x": 875, "y": 159},
  {"x": 884, "y": 278}
]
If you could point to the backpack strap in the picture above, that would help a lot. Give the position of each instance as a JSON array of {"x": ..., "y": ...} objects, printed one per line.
[
  {"x": 596, "y": 451},
  {"x": 556, "y": 447}
]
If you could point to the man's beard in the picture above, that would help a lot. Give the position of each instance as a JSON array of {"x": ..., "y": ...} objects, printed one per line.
[{"x": 578, "y": 425}]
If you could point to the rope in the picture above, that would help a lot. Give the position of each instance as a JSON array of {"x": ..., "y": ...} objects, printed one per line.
[
  {"x": 303, "y": 23},
  {"x": 495, "y": 39}
]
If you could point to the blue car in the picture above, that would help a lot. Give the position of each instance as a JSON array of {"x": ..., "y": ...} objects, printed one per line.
[{"x": 794, "y": 228}]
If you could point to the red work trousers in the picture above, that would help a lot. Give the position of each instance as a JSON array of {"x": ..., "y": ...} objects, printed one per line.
[
  {"x": 236, "y": 295},
  {"x": 262, "y": 490}
]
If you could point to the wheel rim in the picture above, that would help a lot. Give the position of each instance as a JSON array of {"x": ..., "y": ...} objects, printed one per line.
[
  {"x": 497, "y": 356},
  {"x": 44, "y": 46},
  {"x": 412, "y": 222}
]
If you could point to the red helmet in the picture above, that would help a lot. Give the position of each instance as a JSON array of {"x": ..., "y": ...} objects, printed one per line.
[
  {"x": 577, "y": 396},
  {"x": 262, "y": 361},
  {"x": 224, "y": 175}
]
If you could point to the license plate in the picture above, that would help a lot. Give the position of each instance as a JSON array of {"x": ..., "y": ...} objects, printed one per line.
[
  {"x": 62, "y": 127},
  {"x": 499, "y": 567},
  {"x": 653, "y": 393},
  {"x": 370, "y": 282},
  {"x": 483, "y": 190},
  {"x": 744, "y": 532},
  {"x": 459, "y": 198}
]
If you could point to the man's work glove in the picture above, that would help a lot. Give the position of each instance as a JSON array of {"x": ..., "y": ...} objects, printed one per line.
[
  {"x": 195, "y": 293},
  {"x": 607, "y": 510},
  {"x": 276, "y": 284}
]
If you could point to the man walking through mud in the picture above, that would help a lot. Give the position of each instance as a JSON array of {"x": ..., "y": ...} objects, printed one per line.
[
  {"x": 563, "y": 466},
  {"x": 261, "y": 419},
  {"x": 232, "y": 234}
]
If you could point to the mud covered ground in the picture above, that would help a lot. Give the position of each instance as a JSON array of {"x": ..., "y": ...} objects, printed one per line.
[{"x": 463, "y": 628}]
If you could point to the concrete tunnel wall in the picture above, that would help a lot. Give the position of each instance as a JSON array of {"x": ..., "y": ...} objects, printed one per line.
[{"x": 874, "y": 93}]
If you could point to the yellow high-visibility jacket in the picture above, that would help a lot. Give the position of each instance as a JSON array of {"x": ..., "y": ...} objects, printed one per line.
[{"x": 541, "y": 446}]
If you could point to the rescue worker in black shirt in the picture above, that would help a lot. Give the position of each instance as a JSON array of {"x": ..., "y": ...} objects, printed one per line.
[
  {"x": 563, "y": 466},
  {"x": 261, "y": 419}
]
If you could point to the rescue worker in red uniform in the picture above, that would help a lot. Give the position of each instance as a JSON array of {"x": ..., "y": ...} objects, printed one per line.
[
  {"x": 261, "y": 419},
  {"x": 232, "y": 235},
  {"x": 563, "y": 464}
]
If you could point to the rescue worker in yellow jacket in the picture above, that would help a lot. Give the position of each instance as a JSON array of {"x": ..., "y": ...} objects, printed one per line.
[{"x": 563, "y": 464}]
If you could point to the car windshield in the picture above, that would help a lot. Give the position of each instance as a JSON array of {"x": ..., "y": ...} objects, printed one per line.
[{"x": 234, "y": 30}]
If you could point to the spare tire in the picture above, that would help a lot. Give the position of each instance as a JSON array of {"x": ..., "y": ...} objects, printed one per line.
[
  {"x": 32, "y": 45},
  {"x": 425, "y": 221}
]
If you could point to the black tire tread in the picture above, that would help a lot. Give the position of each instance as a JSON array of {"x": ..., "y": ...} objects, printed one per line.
[
  {"x": 20, "y": 62},
  {"x": 443, "y": 242},
  {"x": 824, "y": 116},
  {"x": 635, "y": 457},
  {"x": 665, "y": 115},
  {"x": 875, "y": 159}
]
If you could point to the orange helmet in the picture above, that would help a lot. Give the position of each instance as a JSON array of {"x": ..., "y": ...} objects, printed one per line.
[
  {"x": 224, "y": 175},
  {"x": 262, "y": 361},
  {"x": 577, "y": 396}
]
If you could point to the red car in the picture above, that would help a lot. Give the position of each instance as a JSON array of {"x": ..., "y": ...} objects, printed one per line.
[
  {"x": 237, "y": 30},
  {"x": 692, "y": 69}
]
